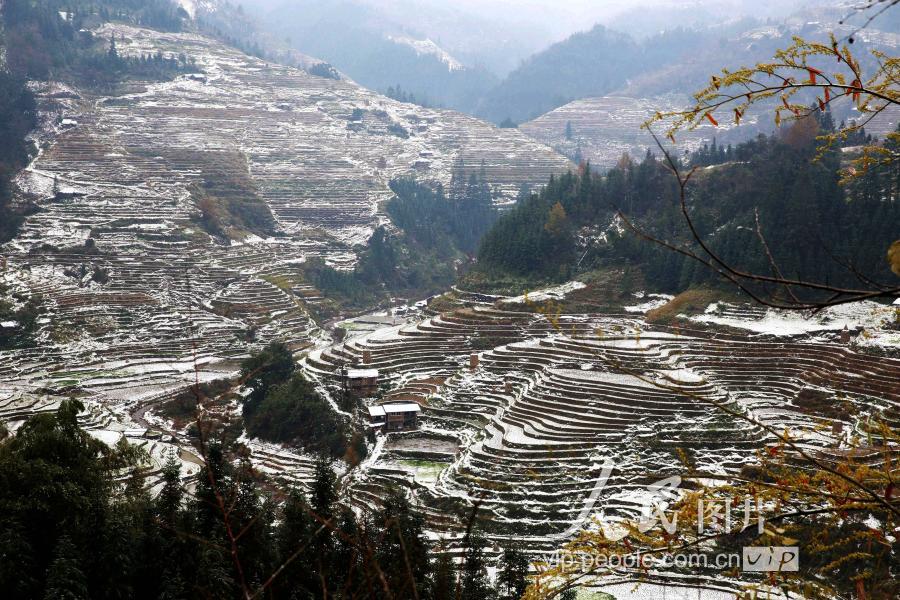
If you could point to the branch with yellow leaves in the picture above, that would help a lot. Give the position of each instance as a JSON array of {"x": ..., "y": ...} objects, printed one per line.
[{"x": 799, "y": 82}]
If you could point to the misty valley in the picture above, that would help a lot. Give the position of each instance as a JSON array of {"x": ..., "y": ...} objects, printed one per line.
[{"x": 410, "y": 299}]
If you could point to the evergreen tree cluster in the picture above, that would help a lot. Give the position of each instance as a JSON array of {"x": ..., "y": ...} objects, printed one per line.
[
  {"x": 814, "y": 226},
  {"x": 384, "y": 265},
  {"x": 323, "y": 69},
  {"x": 399, "y": 94},
  {"x": 438, "y": 230},
  {"x": 524, "y": 241},
  {"x": 48, "y": 38},
  {"x": 457, "y": 219},
  {"x": 106, "y": 69},
  {"x": 72, "y": 529},
  {"x": 283, "y": 406},
  {"x": 711, "y": 154},
  {"x": 17, "y": 118}
]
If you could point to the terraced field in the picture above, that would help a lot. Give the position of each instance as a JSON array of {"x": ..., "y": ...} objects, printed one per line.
[
  {"x": 521, "y": 433},
  {"x": 132, "y": 312},
  {"x": 607, "y": 127},
  {"x": 521, "y": 415}
]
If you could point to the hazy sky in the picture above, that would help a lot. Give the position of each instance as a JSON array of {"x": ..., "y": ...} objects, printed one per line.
[
  {"x": 468, "y": 28},
  {"x": 560, "y": 18},
  {"x": 500, "y": 34}
]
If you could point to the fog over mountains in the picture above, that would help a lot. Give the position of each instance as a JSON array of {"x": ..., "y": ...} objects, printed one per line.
[{"x": 518, "y": 60}]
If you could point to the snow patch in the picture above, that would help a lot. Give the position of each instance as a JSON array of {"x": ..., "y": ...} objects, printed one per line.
[
  {"x": 427, "y": 47},
  {"x": 868, "y": 316},
  {"x": 654, "y": 301},
  {"x": 192, "y": 7},
  {"x": 557, "y": 292}
]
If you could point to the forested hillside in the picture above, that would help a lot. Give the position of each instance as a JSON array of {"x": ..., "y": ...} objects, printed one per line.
[
  {"x": 677, "y": 60},
  {"x": 70, "y": 530},
  {"x": 814, "y": 227},
  {"x": 49, "y": 39},
  {"x": 594, "y": 62},
  {"x": 436, "y": 234},
  {"x": 603, "y": 61},
  {"x": 16, "y": 120}
]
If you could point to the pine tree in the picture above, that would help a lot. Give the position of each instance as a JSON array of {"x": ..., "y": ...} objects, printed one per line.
[
  {"x": 324, "y": 489},
  {"x": 169, "y": 499},
  {"x": 18, "y": 573},
  {"x": 403, "y": 550},
  {"x": 512, "y": 574},
  {"x": 253, "y": 518},
  {"x": 346, "y": 560},
  {"x": 294, "y": 539},
  {"x": 322, "y": 543},
  {"x": 557, "y": 220},
  {"x": 457, "y": 190},
  {"x": 213, "y": 482},
  {"x": 65, "y": 578},
  {"x": 380, "y": 258},
  {"x": 474, "y": 584},
  {"x": 264, "y": 370},
  {"x": 444, "y": 580}
]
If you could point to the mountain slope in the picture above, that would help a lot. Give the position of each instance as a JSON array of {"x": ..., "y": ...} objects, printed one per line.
[
  {"x": 286, "y": 123},
  {"x": 602, "y": 125},
  {"x": 605, "y": 62},
  {"x": 154, "y": 201},
  {"x": 378, "y": 49},
  {"x": 600, "y": 130},
  {"x": 588, "y": 63}
]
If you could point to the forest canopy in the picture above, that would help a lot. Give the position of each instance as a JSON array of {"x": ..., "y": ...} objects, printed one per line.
[{"x": 806, "y": 214}]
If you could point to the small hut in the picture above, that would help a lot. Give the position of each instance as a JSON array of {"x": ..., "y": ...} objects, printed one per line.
[{"x": 362, "y": 382}]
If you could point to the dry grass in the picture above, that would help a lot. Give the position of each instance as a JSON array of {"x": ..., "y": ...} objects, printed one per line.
[{"x": 693, "y": 300}]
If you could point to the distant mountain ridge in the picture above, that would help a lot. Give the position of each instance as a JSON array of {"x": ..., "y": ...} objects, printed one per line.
[
  {"x": 376, "y": 50},
  {"x": 442, "y": 56},
  {"x": 603, "y": 62},
  {"x": 589, "y": 63}
]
